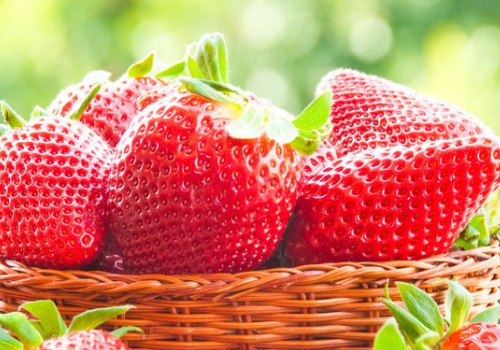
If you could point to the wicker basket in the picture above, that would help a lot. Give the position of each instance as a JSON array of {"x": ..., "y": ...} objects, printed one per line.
[{"x": 331, "y": 306}]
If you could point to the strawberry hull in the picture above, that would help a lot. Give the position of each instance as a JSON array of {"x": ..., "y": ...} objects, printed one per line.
[{"x": 398, "y": 203}]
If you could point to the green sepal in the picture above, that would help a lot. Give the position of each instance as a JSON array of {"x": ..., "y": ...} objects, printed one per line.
[
  {"x": 422, "y": 306},
  {"x": 251, "y": 123},
  {"x": 193, "y": 68},
  {"x": 210, "y": 55},
  {"x": 11, "y": 117},
  {"x": 77, "y": 111},
  {"x": 38, "y": 112},
  {"x": 4, "y": 129},
  {"x": 279, "y": 127},
  {"x": 476, "y": 234},
  {"x": 410, "y": 326},
  {"x": 50, "y": 322},
  {"x": 483, "y": 226},
  {"x": 19, "y": 325},
  {"x": 174, "y": 71},
  {"x": 120, "y": 332},
  {"x": 7, "y": 342},
  {"x": 389, "y": 337},
  {"x": 142, "y": 68},
  {"x": 316, "y": 114},
  {"x": 313, "y": 124},
  {"x": 458, "y": 303},
  {"x": 94, "y": 318},
  {"x": 203, "y": 89},
  {"x": 490, "y": 315}
]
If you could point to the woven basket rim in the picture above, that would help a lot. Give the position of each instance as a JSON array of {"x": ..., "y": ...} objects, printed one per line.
[{"x": 17, "y": 275}]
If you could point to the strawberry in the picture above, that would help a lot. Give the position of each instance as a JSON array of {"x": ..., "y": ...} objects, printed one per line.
[
  {"x": 393, "y": 203},
  {"x": 53, "y": 183},
  {"x": 114, "y": 107},
  {"x": 49, "y": 332},
  {"x": 369, "y": 112},
  {"x": 479, "y": 336},
  {"x": 85, "y": 340},
  {"x": 420, "y": 326},
  {"x": 206, "y": 177}
]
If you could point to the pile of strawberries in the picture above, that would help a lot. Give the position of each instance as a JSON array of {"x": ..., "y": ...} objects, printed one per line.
[{"x": 179, "y": 171}]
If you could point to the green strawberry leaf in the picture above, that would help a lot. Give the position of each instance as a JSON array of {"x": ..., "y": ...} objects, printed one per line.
[
  {"x": 422, "y": 306},
  {"x": 458, "y": 303},
  {"x": 18, "y": 324},
  {"x": 120, "y": 332},
  {"x": 38, "y": 112},
  {"x": 193, "y": 68},
  {"x": 490, "y": 315},
  {"x": 389, "y": 338},
  {"x": 476, "y": 234},
  {"x": 96, "y": 77},
  {"x": 410, "y": 326},
  {"x": 316, "y": 114},
  {"x": 421, "y": 343},
  {"x": 199, "y": 87},
  {"x": 210, "y": 54},
  {"x": 11, "y": 117},
  {"x": 142, "y": 68},
  {"x": 50, "y": 321},
  {"x": 174, "y": 71},
  {"x": 94, "y": 318},
  {"x": 7, "y": 342},
  {"x": 279, "y": 127},
  {"x": 77, "y": 111},
  {"x": 251, "y": 123}
]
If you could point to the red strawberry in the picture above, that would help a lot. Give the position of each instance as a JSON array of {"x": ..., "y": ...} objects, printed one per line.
[
  {"x": 393, "y": 203},
  {"x": 370, "y": 112},
  {"x": 114, "y": 107},
  {"x": 51, "y": 333},
  {"x": 477, "y": 336},
  {"x": 53, "y": 180},
  {"x": 420, "y": 324},
  {"x": 207, "y": 183},
  {"x": 85, "y": 340}
]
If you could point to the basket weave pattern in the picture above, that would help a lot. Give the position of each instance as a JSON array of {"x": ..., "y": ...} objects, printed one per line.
[{"x": 329, "y": 306}]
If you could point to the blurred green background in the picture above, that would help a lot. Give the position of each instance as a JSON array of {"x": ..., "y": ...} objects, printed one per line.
[{"x": 279, "y": 48}]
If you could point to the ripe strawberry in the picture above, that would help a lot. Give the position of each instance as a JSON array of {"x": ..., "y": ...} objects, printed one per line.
[
  {"x": 422, "y": 327},
  {"x": 51, "y": 333},
  {"x": 205, "y": 178},
  {"x": 369, "y": 112},
  {"x": 85, "y": 340},
  {"x": 393, "y": 203},
  {"x": 477, "y": 336},
  {"x": 53, "y": 181},
  {"x": 114, "y": 107}
]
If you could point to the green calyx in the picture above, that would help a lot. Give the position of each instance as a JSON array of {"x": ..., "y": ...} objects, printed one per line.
[
  {"x": 143, "y": 67},
  {"x": 77, "y": 111},
  {"x": 23, "y": 333},
  {"x": 483, "y": 227},
  {"x": 420, "y": 325},
  {"x": 204, "y": 71},
  {"x": 10, "y": 117}
]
